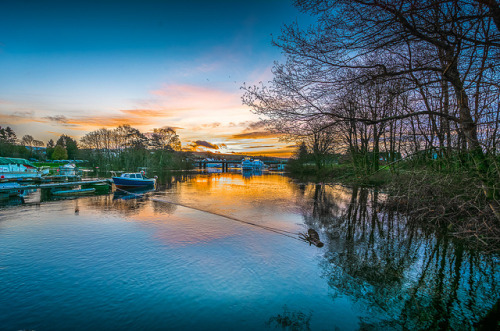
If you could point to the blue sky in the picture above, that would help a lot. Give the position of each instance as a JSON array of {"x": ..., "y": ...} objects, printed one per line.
[{"x": 75, "y": 66}]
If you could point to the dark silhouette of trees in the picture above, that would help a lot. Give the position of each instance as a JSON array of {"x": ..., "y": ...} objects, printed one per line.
[
  {"x": 7, "y": 135},
  {"x": 50, "y": 148},
  {"x": 397, "y": 77},
  {"x": 30, "y": 142},
  {"x": 9, "y": 144}
]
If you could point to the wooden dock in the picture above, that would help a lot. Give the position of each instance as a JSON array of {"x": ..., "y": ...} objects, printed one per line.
[{"x": 52, "y": 185}]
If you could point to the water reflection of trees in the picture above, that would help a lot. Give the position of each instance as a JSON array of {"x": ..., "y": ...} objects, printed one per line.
[{"x": 401, "y": 275}]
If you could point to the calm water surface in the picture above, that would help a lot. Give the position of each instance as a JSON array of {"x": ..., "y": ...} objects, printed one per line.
[{"x": 113, "y": 262}]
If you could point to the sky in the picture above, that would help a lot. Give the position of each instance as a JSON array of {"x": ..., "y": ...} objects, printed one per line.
[{"x": 71, "y": 67}]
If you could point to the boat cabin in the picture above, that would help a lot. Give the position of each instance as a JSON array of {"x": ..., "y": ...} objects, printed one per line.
[{"x": 132, "y": 175}]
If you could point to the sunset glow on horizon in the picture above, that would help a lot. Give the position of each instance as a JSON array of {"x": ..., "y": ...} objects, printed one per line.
[{"x": 74, "y": 68}]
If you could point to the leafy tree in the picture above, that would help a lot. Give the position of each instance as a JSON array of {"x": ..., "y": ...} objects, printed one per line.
[
  {"x": 69, "y": 144},
  {"x": 59, "y": 153}
]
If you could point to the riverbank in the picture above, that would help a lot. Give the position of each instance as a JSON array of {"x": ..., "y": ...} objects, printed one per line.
[{"x": 435, "y": 200}]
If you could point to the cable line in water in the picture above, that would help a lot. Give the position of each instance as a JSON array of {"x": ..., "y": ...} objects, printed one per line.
[{"x": 294, "y": 235}]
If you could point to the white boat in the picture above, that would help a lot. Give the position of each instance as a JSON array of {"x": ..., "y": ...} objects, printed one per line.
[
  {"x": 18, "y": 168},
  {"x": 249, "y": 164},
  {"x": 246, "y": 164},
  {"x": 70, "y": 170},
  {"x": 257, "y": 165}
]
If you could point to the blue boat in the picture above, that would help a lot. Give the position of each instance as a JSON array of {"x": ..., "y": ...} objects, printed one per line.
[{"x": 133, "y": 181}]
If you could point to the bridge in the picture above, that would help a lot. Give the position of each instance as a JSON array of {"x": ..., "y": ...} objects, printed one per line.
[{"x": 224, "y": 164}]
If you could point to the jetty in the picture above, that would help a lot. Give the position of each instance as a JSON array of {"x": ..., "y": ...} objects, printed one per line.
[{"x": 58, "y": 185}]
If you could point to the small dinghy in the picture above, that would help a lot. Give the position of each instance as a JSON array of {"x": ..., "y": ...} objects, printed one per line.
[{"x": 82, "y": 191}]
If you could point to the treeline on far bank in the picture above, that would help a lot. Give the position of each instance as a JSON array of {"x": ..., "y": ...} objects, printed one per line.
[
  {"x": 126, "y": 148},
  {"x": 122, "y": 148}
]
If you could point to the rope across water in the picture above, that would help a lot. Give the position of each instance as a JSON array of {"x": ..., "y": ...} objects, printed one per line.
[{"x": 293, "y": 235}]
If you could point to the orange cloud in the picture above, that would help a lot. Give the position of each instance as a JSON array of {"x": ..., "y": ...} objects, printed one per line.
[
  {"x": 20, "y": 118},
  {"x": 166, "y": 112},
  {"x": 285, "y": 153},
  {"x": 255, "y": 135}
]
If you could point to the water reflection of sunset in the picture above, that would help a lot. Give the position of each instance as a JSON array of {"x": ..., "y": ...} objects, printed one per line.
[{"x": 268, "y": 200}]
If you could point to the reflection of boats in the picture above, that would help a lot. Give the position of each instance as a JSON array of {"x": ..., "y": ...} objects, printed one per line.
[
  {"x": 10, "y": 190},
  {"x": 82, "y": 191},
  {"x": 100, "y": 188},
  {"x": 19, "y": 168},
  {"x": 133, "y": 180},
  {"x": 132, "y": 194}
]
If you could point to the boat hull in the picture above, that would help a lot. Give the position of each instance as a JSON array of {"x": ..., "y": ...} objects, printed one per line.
[
  {"x": 133, "y": 183},
  {"x": 74, "y": 192}
]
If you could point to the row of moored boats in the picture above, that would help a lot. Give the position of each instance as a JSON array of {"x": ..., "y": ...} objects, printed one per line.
[{"x": 13, "y": 170}]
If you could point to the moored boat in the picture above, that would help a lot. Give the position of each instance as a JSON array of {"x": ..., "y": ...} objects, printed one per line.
[
  {"x": 246, "y": 164},
  {"x": 133, "y": 181},
  {"x": 257, "y": 165},
  {"x": 249, "y": 164},
  {"x": 82, "y": 191},
  {"x": 68, "y": 170},
  {"x": 14, "y": 168}
]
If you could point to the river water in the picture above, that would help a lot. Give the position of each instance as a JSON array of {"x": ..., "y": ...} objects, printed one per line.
[{"x": 123, "y": 262}]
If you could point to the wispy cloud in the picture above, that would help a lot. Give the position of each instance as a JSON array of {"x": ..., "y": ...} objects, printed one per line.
[
  {"x": 264, "y": 146},
  {"x": 57, "y": 118},
  {"x": 255, "y": 135},
  {"x": 259, "y": 125}
]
